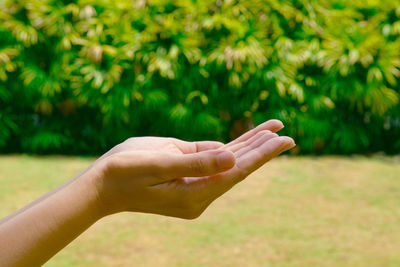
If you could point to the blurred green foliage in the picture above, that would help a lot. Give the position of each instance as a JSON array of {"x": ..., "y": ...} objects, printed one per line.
[{"x": 80, "y": 76}]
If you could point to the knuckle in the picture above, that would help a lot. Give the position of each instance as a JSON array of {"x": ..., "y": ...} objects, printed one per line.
[
  {"x": 265, "y": 132},
  {"x": 258, "y": 135},
  {"x": 272, "y": 135},
  {"x": 199, "y": 165}
]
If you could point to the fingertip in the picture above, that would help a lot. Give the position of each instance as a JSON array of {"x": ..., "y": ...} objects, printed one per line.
[
  {"x": 287, "y": 143},
  {"x": 276, "y": 122},
  {"x": 274, "y": 125},
  {"x": 261, "y": 134},
  {"x": 226, "y": 160}
]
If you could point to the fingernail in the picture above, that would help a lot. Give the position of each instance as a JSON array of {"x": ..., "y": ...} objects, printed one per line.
[
  {"x": 226, "y": 160},
  {"x": 287, "y": 145}
]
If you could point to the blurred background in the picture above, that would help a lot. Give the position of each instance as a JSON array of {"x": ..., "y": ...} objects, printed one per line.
[{"x": 79, "y": 76}]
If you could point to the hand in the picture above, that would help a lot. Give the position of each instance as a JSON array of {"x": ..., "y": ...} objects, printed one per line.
[
  {"x": 181, "y": 179},
  {"x": 155, "y": 175}
]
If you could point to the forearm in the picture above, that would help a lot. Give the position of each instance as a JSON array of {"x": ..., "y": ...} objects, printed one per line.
[{"x": 33, "y": 236}]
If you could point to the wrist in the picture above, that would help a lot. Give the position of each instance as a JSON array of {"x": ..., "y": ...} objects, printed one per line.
[
  {"x": 91, "y": 181},
  {"x": 101, "y": 198}
]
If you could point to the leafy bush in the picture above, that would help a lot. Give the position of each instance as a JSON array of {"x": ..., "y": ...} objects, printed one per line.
[{"x": 80, "y": 76}]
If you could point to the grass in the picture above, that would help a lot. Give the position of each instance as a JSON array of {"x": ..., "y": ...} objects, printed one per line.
[{"x": 328, "y": 211}]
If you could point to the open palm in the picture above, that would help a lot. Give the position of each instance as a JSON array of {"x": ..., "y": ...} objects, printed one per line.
[
  {"x": 148, "y": 174},
  {"x": 251, "y": 150},
  {"x": 172, "y": 145}
]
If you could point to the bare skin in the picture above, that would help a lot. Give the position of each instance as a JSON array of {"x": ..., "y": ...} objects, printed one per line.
[{"x": 163, "y": 176}]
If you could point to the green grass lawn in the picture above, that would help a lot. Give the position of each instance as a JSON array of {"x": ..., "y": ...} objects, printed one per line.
[{"x": 326, "y": 211}]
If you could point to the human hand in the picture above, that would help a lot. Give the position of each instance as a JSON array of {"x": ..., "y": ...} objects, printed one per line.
[
  {"x": 174, "y": 145},
  {"x": 171, "y": 177},
  {"x": 148, "y": 174}
]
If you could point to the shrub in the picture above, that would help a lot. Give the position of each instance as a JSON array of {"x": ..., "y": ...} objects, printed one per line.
[{"x": 80, "y": 76}]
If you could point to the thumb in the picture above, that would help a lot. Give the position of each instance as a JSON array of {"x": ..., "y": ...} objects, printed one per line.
[{"x": 198, "y": 164}]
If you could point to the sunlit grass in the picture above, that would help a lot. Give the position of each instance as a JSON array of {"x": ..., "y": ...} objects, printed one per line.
[{"x": 293, "y": 212}]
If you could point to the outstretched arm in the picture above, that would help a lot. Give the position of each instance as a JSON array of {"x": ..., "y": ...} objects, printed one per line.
[{"x": 154, "y": 175}]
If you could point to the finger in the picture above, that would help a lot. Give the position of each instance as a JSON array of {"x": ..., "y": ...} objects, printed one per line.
[
  {"x": 193, "y": 147},
  {"x": 207, "y": 145},
  {"x": 271, "y": 125},
  {"x": 216, "y": 185},
  {"x": 263, "y": 138},
  {"x": 173, "y": 166},
  {"x": 235, "y": 148},
  {"x": 255, "y": 158}
]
